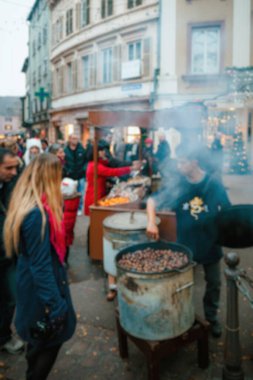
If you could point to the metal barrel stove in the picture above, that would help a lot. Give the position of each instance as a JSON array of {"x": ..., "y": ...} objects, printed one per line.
[
  {"x": 121, "y": 230},
  {"x": 156, "y": 306}
]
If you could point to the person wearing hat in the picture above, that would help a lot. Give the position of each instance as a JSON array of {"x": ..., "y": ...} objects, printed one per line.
[
  {"x": 33, "y": 149},
  {"x": 148, "y": 157}
]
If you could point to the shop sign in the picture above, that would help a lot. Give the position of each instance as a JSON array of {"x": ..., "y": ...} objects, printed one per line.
[
  {"x": 131, "y": 69},
  {"x": 131, "y": 86}
]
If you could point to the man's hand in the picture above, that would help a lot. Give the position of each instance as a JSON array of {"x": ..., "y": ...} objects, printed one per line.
[{"x": 152, "y": 231}]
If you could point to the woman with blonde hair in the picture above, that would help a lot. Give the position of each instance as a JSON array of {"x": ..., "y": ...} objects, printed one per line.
[{"x": 33, "y": 231}]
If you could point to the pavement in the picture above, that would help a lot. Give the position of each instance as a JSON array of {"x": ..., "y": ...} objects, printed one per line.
[{"x": 93, "y": 353}]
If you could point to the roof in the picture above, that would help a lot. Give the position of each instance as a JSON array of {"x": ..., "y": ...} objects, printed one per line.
[
  {"x": 10, "y": 106},
  {"x": 33, "y": 10},
  {"x": 25, "y": 65}
]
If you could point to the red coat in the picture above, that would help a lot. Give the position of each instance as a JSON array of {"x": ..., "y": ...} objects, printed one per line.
[
  {"x": 103, "y": 172},
  {"x": 69, "y": 218}
]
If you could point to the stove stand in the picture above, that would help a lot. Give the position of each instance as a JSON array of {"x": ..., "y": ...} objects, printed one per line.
[{"x": 154, "y": 351}]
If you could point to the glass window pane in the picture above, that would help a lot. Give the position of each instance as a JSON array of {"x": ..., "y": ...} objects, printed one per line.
[
  {"x": 131, "y": 52},
  {"x": 110, "y": 7},
  {"x": 205, "y": 57},
  {"x": 138, "y": 50}
]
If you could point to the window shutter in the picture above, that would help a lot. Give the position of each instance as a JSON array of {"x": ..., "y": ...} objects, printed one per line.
[
  {"x": 74, "y": 75},
  {"x": 53, "y": 34},
  {"x": 62, "y": 80},
  {"x": 61, "y": 27},
  {"x": 116, "y": 63},
  {"x": 79, "y": 73},
  {"x": 146, "y": 57},
  {"x": 54, "y": 87},
  {"x": 93, "y": 69},
  {"x": 102, "y": 8},
  {"x": 78, "y": 16}
]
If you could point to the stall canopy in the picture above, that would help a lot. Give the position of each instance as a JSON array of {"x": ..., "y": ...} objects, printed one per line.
[
  {"x": 188, "y": 116},
  {"x": 101, "y": 118}
]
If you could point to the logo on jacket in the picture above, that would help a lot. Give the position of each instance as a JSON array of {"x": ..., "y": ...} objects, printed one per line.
[{"x": 196, "y": 206}]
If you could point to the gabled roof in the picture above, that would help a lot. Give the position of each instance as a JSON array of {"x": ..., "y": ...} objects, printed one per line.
[{"x": 33, "y": 10}]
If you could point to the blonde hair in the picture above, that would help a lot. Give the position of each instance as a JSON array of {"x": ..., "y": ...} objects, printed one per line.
[{"x": 41, "y": 176}]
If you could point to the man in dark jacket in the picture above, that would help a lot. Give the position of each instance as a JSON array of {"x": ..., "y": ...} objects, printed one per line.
[
  {"x": 196, "y": 200},
  {"x": 8, "y": 172},
  {"x": 75, "y": 165}
]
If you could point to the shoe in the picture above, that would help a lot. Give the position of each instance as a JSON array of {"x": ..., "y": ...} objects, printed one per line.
[
  {"x": 79, "y": 213},
  {"x": 111, "y": 295},
  {"x": 216, "y": 329},
  {"x": 13, "y": 346}
]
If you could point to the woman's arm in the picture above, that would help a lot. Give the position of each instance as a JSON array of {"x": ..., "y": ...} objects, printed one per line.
[
  {"x": 38, "y": 251},
  {"x": 106, "y": 171}
]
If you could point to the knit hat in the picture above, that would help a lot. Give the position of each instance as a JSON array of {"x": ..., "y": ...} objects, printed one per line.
[{"x": 148, "y": 140}]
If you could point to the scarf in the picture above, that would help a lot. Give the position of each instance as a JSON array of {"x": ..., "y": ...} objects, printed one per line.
[{"x": 57, "y": 234}]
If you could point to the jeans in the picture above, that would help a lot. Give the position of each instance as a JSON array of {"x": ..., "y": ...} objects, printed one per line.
[
  {"x": 7, "y": 300},
  {"x": 40, "y": 361},
  {"x": 212, "y": 291},
  {"x": 81, "y": 189}
]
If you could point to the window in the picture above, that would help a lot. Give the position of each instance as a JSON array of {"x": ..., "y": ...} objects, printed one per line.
[
  {"x": 107, "y": 65},
  {"x": 133, "y": 3},
  {"x": 33, "y": 47},
  {"x": 69, "y": 77},
  {"x": 39, "y": 40},
  {"x": 86, "y": 71},
  {"x": 58, "y": 30},
  {"x": 39, "y": 73},
  {"x": 134, "y": 51},
  {"x": 69, "y": 22},
  {"x": 106, "y": 8},
  {"x": 57, "y": 81},
  {"x": 45, "y": 34},
  {"x": 85, "y": 12},
  {"x": 34, "y": 78},
  {"x": 45, "y": 67},
  {"x": 205, "y": 49},
  {"x": 8, "y": 118}
]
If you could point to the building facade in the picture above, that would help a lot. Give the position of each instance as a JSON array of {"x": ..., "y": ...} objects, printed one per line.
[
  {"x": 10, "y": 115},
  {"x": 206, "y": 55},
  {"x": 39, "y": 70},
  {"x": 104, "y": 56}
]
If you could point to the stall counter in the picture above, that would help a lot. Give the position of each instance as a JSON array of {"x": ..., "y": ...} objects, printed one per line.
[{"x": 167, "y": 226}]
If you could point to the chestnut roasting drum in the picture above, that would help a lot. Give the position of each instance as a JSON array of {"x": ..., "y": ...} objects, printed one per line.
[{"x": 155, "y": 299}]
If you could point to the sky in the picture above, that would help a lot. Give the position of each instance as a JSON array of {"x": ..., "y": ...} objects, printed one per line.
[{"x": 13, "y": 45}]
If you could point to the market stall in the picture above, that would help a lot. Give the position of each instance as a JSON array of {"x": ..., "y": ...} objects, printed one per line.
[{"x": 124, "y": 196}]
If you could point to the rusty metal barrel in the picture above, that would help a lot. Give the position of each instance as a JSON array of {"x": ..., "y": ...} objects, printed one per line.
[
  {"x": 156, "y": 306},
  {"x": 121, "y": 230}
]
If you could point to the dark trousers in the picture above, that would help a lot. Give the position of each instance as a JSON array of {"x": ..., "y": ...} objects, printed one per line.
[
  {"x": 212, "y": 291},
  {"x": 40, "y": 361},
  {"x": 7, "y": 300}
]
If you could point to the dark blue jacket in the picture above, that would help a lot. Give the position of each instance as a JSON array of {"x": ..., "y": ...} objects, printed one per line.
[
  {"x": 196, "y": 206},
  {"x": 41, "y": 283}
]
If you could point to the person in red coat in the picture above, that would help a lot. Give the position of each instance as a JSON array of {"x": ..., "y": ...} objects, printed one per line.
[{"x": 103, "y": 172}]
